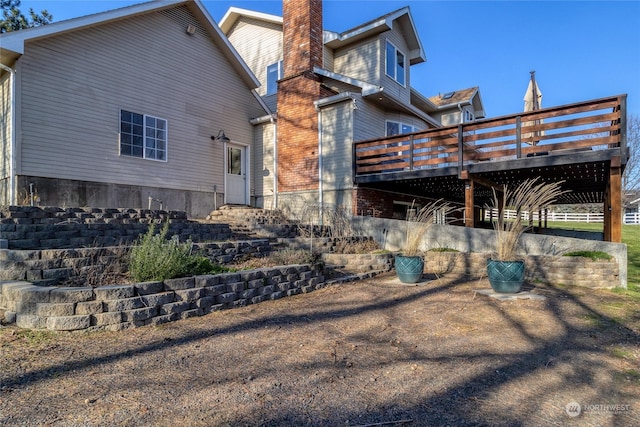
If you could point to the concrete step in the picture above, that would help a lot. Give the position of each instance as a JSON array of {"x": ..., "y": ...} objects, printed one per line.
[{"x": 247, "y": 221}]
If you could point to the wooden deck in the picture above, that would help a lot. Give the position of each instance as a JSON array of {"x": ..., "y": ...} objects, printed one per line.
[{"x": 581, "y": 144}]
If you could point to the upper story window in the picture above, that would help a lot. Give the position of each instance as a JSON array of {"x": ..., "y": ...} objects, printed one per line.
[
  {"x": 143, "y": 136},
  {"x": 397, "y": 128},
  {"x": 468, "y": 116},
  {"x": 395, "y": 64},
  {"x": 274, "y": 73}
]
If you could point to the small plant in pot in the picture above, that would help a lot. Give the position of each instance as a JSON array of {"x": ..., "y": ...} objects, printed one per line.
[
  {"x": 409, "y": 263},
  {"x": 506, "y": 270}
]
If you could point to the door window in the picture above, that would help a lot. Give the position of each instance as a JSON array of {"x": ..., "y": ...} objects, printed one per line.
[{"x": 234, "y": 161}]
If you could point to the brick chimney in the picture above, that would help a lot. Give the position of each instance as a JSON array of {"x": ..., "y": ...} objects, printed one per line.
[
  {"x": 302, "y": 27},
  {"x": 297, "y": 117}
]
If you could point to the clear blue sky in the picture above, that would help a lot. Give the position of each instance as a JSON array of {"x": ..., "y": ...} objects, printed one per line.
[{"x": 580, "y": 50}]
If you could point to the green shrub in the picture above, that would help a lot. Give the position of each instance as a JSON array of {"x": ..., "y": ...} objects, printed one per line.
[
  {"x": 594, "y": 255},
  {"x": 154, "y": 257},
  {"x": 203, "y": 265},
  {"x": 443, "y": 250}
]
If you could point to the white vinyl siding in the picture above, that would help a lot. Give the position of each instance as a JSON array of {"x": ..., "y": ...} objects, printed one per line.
[
  {"x": 327, "y": 58},
  {"x": 146, "y": 64},
  {"x": 271, "y": 102},
  {"x": 359, "y": 61},
  {"x": 337, "y": 145},
  {"x": 5, "y": 127},
  {"x": 262, "y": 160},
  {"x": 259, "y": 43},
  {"x": 369, "y": 122}
]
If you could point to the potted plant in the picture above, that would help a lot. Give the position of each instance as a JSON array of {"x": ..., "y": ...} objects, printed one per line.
[
  {"x": 409, "y": 263},
  {"x": 506, "y": 271}
]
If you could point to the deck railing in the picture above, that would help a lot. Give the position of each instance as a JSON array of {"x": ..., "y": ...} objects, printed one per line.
[{"x": 586, "y": 126}]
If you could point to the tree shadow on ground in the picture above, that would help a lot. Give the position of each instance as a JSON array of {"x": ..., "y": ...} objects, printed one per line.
[{"x": 481, "y": 386}]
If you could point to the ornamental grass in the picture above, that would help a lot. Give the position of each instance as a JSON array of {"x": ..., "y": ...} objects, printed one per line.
[
  {"x": 419, "y": 221},
  {"x": 532, "y": 195}
]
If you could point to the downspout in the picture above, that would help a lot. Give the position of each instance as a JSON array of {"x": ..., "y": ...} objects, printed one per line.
[
  {"x": 275, "y": 163},
  {"x": 320, "y": 167},
  {"x": 12, "y": 162}
]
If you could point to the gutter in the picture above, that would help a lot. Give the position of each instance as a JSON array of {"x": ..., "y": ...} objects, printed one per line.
[
  {"x": 333, "y": 99},
  {"x": 12, "y": 156},
  {"x": 367, "y": 88}
]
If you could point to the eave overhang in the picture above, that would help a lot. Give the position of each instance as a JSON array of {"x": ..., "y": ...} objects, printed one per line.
[
  {"x": 13, "y": 43},
  {"x": 234, "y": 13},
  {"x": 373, "y": 28}
]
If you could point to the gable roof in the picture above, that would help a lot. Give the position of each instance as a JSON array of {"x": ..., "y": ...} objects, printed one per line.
[
  {"x": 12, "y": 43},
  {"x": 379, "y": 25},
  {"x": 234, "y": 13},
  {"x": 335, "y": 40}
]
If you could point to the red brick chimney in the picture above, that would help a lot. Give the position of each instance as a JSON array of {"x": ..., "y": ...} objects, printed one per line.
[
  {"x": 302, "y": 27},
  {"x": 297, "y": 117}
]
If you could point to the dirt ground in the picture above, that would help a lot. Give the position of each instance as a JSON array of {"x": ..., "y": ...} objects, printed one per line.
[{"x": 374, "y": 352}]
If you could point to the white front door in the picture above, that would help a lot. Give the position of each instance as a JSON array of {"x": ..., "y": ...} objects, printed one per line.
[{"x": 236, "y": 175}]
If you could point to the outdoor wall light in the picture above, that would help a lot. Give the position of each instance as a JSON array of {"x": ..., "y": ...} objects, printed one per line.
[{"x": 221, "y": 137}]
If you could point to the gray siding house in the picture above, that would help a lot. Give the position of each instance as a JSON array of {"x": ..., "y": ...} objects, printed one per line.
[
  {"x": 157, "y": 105},
  {"x": 368, "y": 71},
  {"x": 121, "y": 109}
]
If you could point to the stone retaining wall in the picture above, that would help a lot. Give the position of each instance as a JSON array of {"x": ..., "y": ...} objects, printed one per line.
[
  {"x": 151, "y": 303},
  {"x": 360, "y": 263},
  {"x": 566, "y": 270},
  {"x": 55, "y": 266},
  {"x": 32, "y": 227}
]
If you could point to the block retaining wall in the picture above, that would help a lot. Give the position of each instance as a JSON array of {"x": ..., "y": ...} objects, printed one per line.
[
  {"x": 122, "y": 307},
  {"x": 32, "y": 227},
  {"x": 579, "y": 271},
  {"x": 360, "y": 263},
  {"x": 50, "y": 267}
]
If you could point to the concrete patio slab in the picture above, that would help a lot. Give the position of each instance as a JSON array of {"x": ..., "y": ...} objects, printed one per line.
[{"x": 510, "y": 297}]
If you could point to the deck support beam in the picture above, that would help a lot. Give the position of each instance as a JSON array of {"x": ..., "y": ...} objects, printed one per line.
[
  {"x": 469, "y": 211},
  {"x": 613, "y": 203}
]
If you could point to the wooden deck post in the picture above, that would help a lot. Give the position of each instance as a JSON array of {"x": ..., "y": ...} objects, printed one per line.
[
  {"x": 615, "y": 201},
  {"x": 606, "y": 226},
  {"x": 469, "y": 211}
]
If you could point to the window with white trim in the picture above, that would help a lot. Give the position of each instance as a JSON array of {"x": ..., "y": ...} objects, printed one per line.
[
  {"x": 397, "y": 128},
  {"x": 468, "y": 116},
  {"x": 395, "y": 67},
  {"x": 143, "y": 136},
  {"x": 274, "y": 73}
]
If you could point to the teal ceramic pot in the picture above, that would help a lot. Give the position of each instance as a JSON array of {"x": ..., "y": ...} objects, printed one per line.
[
  {"x": 409, "y": 268},
  {"x": 505, "y": 276}
]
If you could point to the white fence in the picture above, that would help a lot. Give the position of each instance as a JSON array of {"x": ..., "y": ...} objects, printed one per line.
[
  {"x": 629, "y": 218},
  {"x": 632, "y": 218}
]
